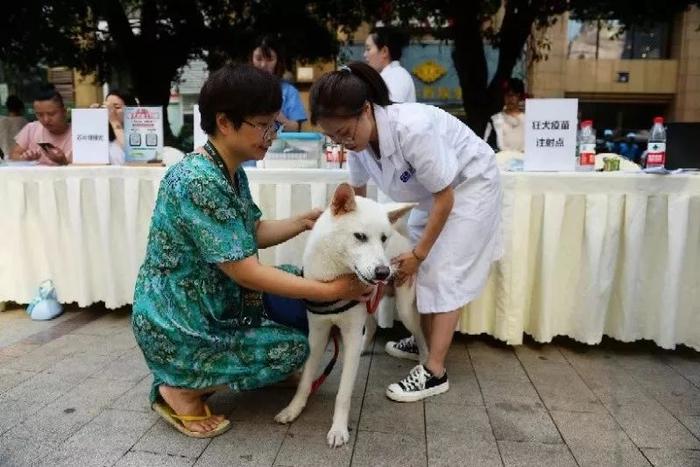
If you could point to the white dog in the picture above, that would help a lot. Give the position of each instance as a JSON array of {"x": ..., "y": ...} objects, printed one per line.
[{"x": 354, "y": 235}]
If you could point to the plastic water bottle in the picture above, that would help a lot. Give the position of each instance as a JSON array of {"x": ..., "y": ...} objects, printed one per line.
[
  {"x": 656, "y": 149},
  {"x": 586, "y": 147}
]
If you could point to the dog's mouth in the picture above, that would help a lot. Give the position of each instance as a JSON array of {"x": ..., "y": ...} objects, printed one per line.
[{"x": 367, "y": 280}]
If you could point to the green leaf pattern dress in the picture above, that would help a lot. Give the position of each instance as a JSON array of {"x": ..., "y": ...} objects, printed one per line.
[{"x": 196, "y": 327}]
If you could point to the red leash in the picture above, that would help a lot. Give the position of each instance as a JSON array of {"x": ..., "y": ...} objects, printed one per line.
[{"x": 372, "y": 305}]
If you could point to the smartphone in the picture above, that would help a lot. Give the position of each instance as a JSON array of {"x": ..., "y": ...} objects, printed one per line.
[{"x": 46, "y": 146}]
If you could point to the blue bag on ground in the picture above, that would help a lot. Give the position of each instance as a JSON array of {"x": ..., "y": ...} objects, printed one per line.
[{"x": 45, "y": 305}]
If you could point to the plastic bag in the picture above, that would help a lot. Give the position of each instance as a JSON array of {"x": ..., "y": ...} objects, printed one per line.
[{"x": 45, "y": 305}]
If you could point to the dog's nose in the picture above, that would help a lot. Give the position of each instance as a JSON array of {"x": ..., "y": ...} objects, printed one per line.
[{"x": 382, "y": 272}]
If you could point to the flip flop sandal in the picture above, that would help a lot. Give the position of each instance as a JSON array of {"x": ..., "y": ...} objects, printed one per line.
[{"x": 176, "y": 421}]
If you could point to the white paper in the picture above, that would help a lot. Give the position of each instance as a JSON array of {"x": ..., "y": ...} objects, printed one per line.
[
  {"x": 143, "y": 133},
  {"x": 90, "y": 136},
  {"x": 200, "y": 138},
  {"x": 550, "y": 134}
]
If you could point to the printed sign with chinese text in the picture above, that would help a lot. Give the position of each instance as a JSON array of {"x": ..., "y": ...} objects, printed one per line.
[
  {"x": 90, "y": 136},
  {"x": 550, "y": 134},
  {"x": 143, "y": 133}
]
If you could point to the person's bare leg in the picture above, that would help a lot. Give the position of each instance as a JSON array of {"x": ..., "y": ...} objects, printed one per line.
[
  {"x": 425, "y": 322},
  {"x": 442, "y": 329},
  {"x": 189, "y": 402}
]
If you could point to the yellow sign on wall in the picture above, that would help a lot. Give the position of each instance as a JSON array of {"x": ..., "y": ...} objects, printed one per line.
[{"x": 429, "y": 71}]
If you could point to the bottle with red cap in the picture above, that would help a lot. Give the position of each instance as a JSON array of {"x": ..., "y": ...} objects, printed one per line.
[
  {"x": 656, "y": 148},
  {"x": 585, "y": 161}
]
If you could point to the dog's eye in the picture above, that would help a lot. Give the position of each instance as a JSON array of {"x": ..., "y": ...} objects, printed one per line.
[
  {"x": 384, "y": 237},
  {"x": 360, "y": 236}
]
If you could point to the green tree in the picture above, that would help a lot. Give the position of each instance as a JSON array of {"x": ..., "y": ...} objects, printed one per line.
[{"x": 149, "y": 41}]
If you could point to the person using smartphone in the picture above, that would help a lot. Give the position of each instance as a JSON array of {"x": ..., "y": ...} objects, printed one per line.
[{"x": 47, "y": 140}]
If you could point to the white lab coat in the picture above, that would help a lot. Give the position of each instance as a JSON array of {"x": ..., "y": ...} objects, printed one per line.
[
  {"x": 423, "y": 150},
  {"x": 399, "y": 82}
]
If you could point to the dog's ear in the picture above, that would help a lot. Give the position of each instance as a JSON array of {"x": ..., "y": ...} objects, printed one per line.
[
  {"x": 343, "y": 200},
  {"x": 396, "y": 211}
]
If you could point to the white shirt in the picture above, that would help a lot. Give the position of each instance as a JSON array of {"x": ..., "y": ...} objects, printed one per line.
[
  {"x": 116, "y": 153},
  {"x": 399, "y": 82},
  {"x": 423, "y": 150},
  {"x": 510, "y": 131}
]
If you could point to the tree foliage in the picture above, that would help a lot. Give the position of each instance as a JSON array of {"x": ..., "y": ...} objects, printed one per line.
[{"x": 150, "y": 41}]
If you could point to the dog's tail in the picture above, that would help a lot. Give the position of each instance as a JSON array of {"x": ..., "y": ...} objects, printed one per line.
[{"x": 327, "y": 371}]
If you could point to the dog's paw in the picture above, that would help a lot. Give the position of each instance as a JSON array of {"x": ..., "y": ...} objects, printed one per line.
[
  {"x": 288, "y": 414},
  {"x": 337, "y": 437}
]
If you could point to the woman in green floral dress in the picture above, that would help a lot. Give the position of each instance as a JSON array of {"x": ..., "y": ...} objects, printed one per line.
[{"x": 199, "y": 311}]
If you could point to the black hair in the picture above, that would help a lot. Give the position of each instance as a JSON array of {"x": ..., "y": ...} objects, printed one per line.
[
  {"x": 268, "y": 45},
  {"x": 14, "y": 104},
  {"x": 394, "y": 39},
  {"x": 343, "y": 93},
  {"x": 128, "y": 98},
  {"x": 49, "y": 93},
  {"x": 515, "y": 86},
  {"x": 110, "y": 133},
  {"x": 239, "y": 91}
]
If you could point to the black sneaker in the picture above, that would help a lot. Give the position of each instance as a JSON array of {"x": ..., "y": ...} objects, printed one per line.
[
  {"x": 405, "y": 348},
  {"x": 419, "y": 384}
]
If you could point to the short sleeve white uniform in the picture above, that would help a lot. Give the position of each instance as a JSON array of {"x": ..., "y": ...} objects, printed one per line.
[
  {"x": 399, "y": 82},
  {"x": 423, "y": 150}
]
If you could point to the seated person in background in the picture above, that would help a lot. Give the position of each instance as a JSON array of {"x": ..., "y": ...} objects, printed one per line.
[
  {"x": 268, "y": 55},
  {"x": 508, "y": 125},
  {"x": 47, "y": 140},
  {"x": 11, "y": 124},
  {"x": 115, "y": 102}
]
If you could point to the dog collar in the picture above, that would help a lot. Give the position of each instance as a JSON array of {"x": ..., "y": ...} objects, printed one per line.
[{"x": 328, "y": 308}]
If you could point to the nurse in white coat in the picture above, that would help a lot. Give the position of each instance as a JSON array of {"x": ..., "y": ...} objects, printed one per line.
[
  {"x": 383, "y": 49},
  {"x": 419, "y": 153}
]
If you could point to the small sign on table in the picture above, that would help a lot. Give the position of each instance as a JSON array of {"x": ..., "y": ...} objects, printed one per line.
[
  {"x": 143, "y": 133},
  {"x": 550, "y": 134},
  {"x": 90, "y": 136}
]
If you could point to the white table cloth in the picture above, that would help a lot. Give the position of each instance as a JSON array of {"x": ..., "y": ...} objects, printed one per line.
[{"x": 586, "y": 255}]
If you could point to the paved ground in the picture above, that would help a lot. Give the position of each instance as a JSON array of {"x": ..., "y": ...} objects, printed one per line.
[{"x": 73, "y": 392}]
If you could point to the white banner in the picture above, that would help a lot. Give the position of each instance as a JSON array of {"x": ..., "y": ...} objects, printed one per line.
[
  {"x": 90, "y": 136},
  {"x": 550, "y": 134}
]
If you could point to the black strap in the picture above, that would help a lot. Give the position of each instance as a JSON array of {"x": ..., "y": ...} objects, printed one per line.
[
  {"x": 328, "y": 308},
  {"x": 219, "y": 161}
]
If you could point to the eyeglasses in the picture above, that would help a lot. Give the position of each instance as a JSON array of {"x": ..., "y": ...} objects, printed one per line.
[
  {"x": 267, "y": 130},
  {"x": 344, "y": 140}
]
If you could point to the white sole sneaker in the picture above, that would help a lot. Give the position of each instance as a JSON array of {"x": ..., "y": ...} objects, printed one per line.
[
  {"x": 418, "y": 395},
  {"x": 394, "y": 352}
]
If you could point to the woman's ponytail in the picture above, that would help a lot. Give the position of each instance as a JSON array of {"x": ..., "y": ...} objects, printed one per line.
[{"x": 343, "y": 93}]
